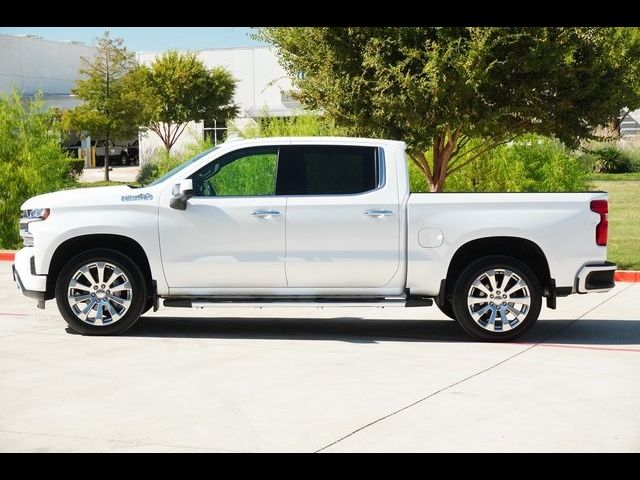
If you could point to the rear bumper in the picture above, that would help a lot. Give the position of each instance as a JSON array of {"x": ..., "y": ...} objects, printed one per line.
[
  {"x": 596, "y": 278},
  {"x": 31, "y": 284}
]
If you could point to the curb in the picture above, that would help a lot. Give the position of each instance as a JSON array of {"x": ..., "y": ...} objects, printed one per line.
[
  {"x": 627, "y": 276},
  {"x": 632, "y": 276},
  {"x": 7, "y": 256}
]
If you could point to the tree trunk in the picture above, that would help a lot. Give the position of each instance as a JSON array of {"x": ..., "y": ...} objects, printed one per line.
[
  {"x": 106, "y": 159},
  {"x": 443, "y": 148},
  {"x": 441, "y": 157}
]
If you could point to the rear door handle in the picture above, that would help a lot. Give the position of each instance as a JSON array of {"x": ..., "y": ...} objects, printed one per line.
[
  {"x": 378, "y": 213},
  {"x": 265, "y": 213}
]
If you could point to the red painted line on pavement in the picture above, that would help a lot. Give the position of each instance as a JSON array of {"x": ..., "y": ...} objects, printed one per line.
[
  {"x": 584, "y": 347},
  {"x": 7, "y": 256}
]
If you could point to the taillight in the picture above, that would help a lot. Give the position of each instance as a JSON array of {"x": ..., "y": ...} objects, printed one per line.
[{"x": 601, "y": 207}]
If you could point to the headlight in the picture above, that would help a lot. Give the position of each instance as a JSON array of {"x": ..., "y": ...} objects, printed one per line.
[
  {"x": 28, "y": 217},
  {"x": 36, "y": 214}
]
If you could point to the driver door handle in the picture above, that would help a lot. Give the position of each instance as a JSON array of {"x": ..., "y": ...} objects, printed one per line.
[
  {"x": 378, "y": 213},
  {"x": 265, "y": 213}
]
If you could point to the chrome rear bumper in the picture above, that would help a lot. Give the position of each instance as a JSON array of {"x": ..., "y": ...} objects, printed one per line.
[{"x": 596, "y": 278}]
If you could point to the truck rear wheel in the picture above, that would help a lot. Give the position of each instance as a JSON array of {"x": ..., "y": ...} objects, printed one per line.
[
  {"x": 101, "y": 292},
  {"x": 497, "y": 298}
]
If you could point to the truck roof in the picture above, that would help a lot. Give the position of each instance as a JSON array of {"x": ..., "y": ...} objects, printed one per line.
[{"x": 314, "y": 140}]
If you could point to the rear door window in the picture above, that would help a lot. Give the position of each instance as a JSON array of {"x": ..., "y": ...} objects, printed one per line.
[{"x": 327, "y": 170}]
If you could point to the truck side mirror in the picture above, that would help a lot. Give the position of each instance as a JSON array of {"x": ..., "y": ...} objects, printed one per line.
[
  {"x": 181, "y": 194},
  {"x": 186, "y": 188}
]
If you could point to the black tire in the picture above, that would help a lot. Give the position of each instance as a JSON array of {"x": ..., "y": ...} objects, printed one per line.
[
  {"x": 447, "y": 309},
  {"x": 148, "y": 306},
  {"x": 124, "y": 159},
  {"x": 462, "y": 289},
  {"x": 139, "y": 296}
]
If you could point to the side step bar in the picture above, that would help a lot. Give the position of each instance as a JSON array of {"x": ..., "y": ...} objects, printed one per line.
[{"x": 317, "y": 302}]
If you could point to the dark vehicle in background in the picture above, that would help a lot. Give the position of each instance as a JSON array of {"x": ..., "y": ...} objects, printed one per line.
[{"x": 130, "y": 155}]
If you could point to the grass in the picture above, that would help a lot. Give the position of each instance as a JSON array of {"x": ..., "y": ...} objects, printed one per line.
[
  {"x": 624, "y": 221},
  {"x": 616, "y": 176}
]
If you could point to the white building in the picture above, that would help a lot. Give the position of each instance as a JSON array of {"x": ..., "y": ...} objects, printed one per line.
[
  {"x": 32, "y": 63},
  {"x": 630, "y": 125}
]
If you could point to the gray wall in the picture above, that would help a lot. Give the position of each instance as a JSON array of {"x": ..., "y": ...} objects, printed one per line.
[{"x": 32, "y": 64}]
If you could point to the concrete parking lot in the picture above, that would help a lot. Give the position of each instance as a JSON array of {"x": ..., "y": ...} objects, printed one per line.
[
  {"x": 238, "y": 379},
  {"x": 118, "y": 173}
]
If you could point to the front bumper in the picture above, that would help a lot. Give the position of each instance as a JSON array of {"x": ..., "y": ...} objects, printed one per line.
[
  {"x": 596, "y": 278},
  {"x": 31, "y": 284}
]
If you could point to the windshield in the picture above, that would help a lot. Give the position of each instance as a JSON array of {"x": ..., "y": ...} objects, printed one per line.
[{"x": 175, "y": 170}]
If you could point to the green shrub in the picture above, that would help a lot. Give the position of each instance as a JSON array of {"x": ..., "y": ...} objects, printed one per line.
[
  {"x": 31, "y": 159},
  {"x": 532, "y": 164},
  {"x": 304, "y": 125},
  {"x": 149, "y": 171},
  {"x": 609, "y": 157},
  {"x": 161, "y": 162},
  {"x": 76, "y": 166}
]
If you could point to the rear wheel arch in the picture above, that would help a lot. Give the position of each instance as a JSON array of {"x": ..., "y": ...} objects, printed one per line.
[
  {"x": 119, "y": 243},
  {"x": 522, "y": 249}
]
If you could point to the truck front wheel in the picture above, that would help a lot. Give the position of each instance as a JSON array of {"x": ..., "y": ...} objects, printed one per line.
[
  {"x": 497, "y": 298},
  {"x": 101, "y": 292}
]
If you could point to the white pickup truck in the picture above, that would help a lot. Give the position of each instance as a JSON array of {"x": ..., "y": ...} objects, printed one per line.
[{"x": 309, "y": 222}]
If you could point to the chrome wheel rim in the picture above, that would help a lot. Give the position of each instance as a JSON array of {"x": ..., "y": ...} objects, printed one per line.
[
  {"x": 99, "y": 293},
  {"x": 499, "y": 300}
]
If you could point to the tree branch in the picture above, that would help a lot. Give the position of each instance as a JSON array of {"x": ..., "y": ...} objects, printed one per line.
[
  {"x": 184, "y": 126},
  {"x": 484, "y": 150},
  {"x": 155, "y": 127},
  {"x": 422, "y": 162},
  {"x": 461, "y": 145},
  {"x": 463, "y": 154}
]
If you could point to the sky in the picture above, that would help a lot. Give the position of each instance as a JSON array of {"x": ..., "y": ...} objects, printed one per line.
[{"x": 148, "y": 38}]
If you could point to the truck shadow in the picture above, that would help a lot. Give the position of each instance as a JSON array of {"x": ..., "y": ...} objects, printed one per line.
[{"x": 358, "y": 330}]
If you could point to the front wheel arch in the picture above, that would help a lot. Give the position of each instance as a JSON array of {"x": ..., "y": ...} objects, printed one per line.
[{"x": 120, "y": 243}]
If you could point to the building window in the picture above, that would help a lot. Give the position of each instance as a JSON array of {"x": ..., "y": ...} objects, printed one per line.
[{"x": 216, "y": 131}]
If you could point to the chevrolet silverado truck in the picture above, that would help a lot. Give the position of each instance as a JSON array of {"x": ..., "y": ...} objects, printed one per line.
[{"x": 323, "y": 221}]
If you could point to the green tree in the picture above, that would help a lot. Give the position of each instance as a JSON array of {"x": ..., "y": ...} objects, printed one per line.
[
  {"x": 437, "y": 88},
  {"x": 31, "y": 160},
  {"x": 179, "y": 88},
  {"x": 112, "y": 108}
]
